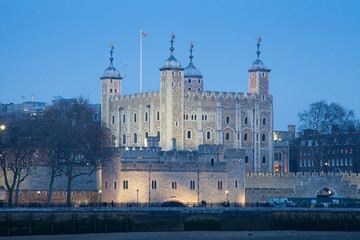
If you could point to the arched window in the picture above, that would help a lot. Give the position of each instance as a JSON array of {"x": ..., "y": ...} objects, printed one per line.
[
  {"x": 263, "y": 159},
  {"x": 158, "y": 135},
  {"x": 212, "y": 162},
  {"x": 158, "y": 115},
  {"x": 246, "y": 159},
  {"x": 135, "y": 138},
  {"x": 208, "y": 135},
  {"x": 146, "y": 116},
  {"x": 110, "y": 90},
  {"x": 124, "y": 139},
  {"x": 264, "y": 121},
  {"x": 227, "y": 136},
  {"x": 246, "y": 120},
  {"x": 134, "y": 117},
  {"x": 189, "y": 89},
  {"x": 189, "y": 134},
  {"x": 146, "y": 135},
  {"x": 245, "y": 137},
  {"x": 227, "y": 119},
  {"x": 263, "y": 137},
  {"x": 124, "y": 119}
]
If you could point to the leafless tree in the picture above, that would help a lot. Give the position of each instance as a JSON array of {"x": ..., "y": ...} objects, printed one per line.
[
  {"x": 17, "y": 148},
  {"x": 74, "y": 143},
  {"x": 328, "y": 124}
]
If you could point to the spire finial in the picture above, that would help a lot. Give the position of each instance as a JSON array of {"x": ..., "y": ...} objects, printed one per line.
[
  {"x": 191, "y": 50},
  {"x": 258, "y": 47},
  {"x": 111, "y": 53},
  {"x": 172, "y": 43}
]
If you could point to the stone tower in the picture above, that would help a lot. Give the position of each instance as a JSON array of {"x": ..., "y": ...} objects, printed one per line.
[
  {"x": 259, "y": 76},
  {"x": 192, "y": 76},
  {"x": 172, "y": 102},
  {"x": 110, "y": 87},
  {"x": 262, "y": 114}
]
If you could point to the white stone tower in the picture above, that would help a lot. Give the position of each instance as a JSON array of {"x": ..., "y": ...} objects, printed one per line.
[
  {"x": 192, "y": 76},
  {"x": 110, "y": 87},
  {"x": 172, "y": 102},
  {"x": 259, "y": 76}
]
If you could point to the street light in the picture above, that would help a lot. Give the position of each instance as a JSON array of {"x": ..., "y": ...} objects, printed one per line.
[
  {"x": 226, "y": 196},
  {"x": 137, "y": 197},
  {"x": 100, "y": 198},
  {"x": 2, "y": 127}
]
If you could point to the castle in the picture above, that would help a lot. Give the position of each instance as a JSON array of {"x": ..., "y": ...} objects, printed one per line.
[{"x": 182, "y": 116}]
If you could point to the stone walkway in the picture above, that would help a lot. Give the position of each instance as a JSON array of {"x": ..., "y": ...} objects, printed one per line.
[{"x": 251, "y": 235}]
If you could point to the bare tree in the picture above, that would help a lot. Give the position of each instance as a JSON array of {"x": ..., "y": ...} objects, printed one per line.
[
  {"x": 328, "y": 123},
  {"x": 17, "y": 147},
  {"x": 74, "y": 143}
]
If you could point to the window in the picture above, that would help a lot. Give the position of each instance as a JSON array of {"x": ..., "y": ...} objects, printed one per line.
[
  {"x": 114, "y": 185},
  {"x": 212, "y": 162},
  {"x": 124, "y": 118},
  {"x": 174, "y": 185},
  {"x": 146, "y": 117},
  {"x": 219, "y": 185},
  {"x": 208, "y": 136},
  {"x": 158, "y": 115},
  {"x": 198, "y": 89},
  {"x": 189, "y": 134},
  {"x": 245, "y": 137},
  {"x": 124, "y": 139},
  {"x": 189, "y": 81},
  {"x": 153, "y": 184},
  {"x": 105, "y": 185},
  {"x": 246, "y": 159},
  {"x": 134, "y": 117},
  {"x": 135, "y": 138},
  {"x": 199, "y": 82},
  {"x": 158, "y": 135},
  {"x": 110, "y": 90},
  {"x": 227, "y": 136},
  {"x": 115, "y": 90},
  {"x": 263, "y": 137},
  {"x": 264, "y": 121},
  {"x": 126, "y": 184},
  {"x": 246, "y": 120},
  {"x": 192, "y": 184},
  {"x": 301, "y": 163},
  {"x": 113, "y": 119},
  {"x": 235, "y": 183},
  {"x": 146, "y": 135},
  {"x": 264, "y": 159},
  {"x": 189, "y": 89},
  {"x": 227, "y": 119},
  {"x": 346, "y": 161}
]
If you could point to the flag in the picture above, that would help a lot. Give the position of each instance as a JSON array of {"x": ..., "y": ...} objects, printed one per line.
[
  {"x": 259, "y": 38},
  {"x": 144, "y": 34}
]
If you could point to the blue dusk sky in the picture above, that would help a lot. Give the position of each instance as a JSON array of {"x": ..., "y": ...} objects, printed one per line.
[{"x": 61, "y": 48}]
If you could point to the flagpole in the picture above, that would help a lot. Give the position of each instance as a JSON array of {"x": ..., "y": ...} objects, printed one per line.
[{"x": 140, "y": 61}]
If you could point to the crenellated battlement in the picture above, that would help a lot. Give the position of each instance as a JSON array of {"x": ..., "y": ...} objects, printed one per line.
[
  {"x": 221, "y": 95},
  {"x": 302, "y": 174},
  {"x": 144, "y": 96}
]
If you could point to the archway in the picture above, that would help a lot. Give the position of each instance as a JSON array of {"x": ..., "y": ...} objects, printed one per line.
[{"x": 325, "y": 193}]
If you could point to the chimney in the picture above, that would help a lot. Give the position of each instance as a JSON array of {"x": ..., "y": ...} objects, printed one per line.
[{"x": 292, "y": 130}]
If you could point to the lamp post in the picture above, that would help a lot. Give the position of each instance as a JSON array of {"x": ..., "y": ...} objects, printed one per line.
[
  {"x": 38, "y": 197},
  {"x": 137, "y": 197},
  {"x": 227, "y": 195},
  {"x": 2, "y": 127},
  {"x": 100, "y": 198}
]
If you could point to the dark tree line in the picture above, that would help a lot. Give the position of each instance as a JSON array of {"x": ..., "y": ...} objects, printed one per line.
[{"x": 70, "y": 142}]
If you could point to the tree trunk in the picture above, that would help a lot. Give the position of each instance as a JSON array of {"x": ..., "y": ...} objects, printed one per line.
[
  {"x": 10, "y": 191},
  {"x": 17, "y": 194},
  {"x": 50, "y": 187},
  {"x": 68, "y": 190}
]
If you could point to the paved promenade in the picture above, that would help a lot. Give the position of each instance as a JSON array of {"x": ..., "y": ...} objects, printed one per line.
[{"x": 251, "y": 235}]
